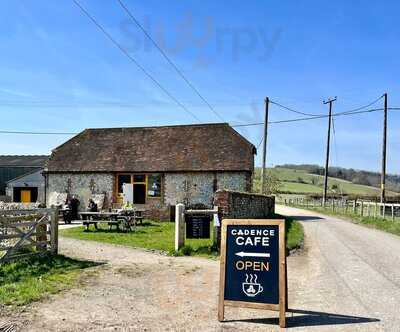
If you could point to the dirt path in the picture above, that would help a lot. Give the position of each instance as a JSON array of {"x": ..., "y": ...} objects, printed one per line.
[{"x": 341, "y": 282}]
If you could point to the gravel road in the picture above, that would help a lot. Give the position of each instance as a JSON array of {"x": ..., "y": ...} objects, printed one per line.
[
  {"x": 346, "y": 279},
  {"x": 351, "y": 270}
]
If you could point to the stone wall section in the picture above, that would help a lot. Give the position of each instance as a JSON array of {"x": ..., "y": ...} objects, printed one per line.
[
  {"x": 82, "y": 185},
  {"x": 241, "y": 205},
  {"x": 198, "y": 187},
  {"x": 190, "y": 188}
]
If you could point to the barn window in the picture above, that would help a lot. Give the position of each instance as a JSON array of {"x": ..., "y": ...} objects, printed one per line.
[
  {"x": 154, "y": 185},
  {"x": 123, "y": 178}
]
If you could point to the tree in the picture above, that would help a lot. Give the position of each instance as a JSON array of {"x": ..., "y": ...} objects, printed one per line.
[{"x": 272, "y": 183}]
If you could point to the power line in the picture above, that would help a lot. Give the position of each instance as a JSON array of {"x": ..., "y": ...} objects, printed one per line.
[
  {"x": 235, "y": 126},
  {"x": 36, "y": 132},
  {"x": 259, "y": 144},
  {"x": 335, "y": 141},
  {"x": 166, "y": 57},
  {"x": 134, "y": 60},
  {"x": 314, "y": 117},
  {"x": 122, "y": 104},
  {"x": 55, "y": 104},
  {"x": 292, "y": 110},
  {"x": 365, "y": 106},
  {"x": 311, "y": 114}
]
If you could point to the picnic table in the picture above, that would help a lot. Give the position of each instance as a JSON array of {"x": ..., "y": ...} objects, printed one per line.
[
  {"x": 64, "y": 213},
  {"x": 127, "y": 219}
]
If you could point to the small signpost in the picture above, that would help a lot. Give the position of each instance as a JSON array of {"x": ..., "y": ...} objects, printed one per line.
[
  {"x": 198, "y": 226},
  {"x": 253, "y": 266}
]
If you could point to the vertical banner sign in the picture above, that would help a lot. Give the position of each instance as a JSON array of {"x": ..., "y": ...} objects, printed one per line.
[{"x": 253, "y": 266}]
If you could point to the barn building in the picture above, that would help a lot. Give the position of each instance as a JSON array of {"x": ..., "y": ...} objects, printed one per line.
[
  {"x": 15, "y": 166},
  {"x": 166, "y": 165},
  {"x": 27, "y": 188}
]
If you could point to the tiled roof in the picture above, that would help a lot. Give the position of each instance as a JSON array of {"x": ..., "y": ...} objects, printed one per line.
[
  {"x": 203, "y": 147},
  {"x": 23, "y": 161}
]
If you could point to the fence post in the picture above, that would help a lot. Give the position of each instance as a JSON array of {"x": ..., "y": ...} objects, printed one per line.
[
  {"x": 54, "y": 231},
  {"x": 383, "y": 210},
  {"x": 362, "y": 208},
  {"x": 41, "y": 236},
  {"x": 345, "y": 207},
  {"x": 215, "y": 227},
  {"x": 354, "y": 207},
  {"x": 333, "y": 205},
  {"x": 368, "y": 209},
  {"x": 376, "y": 209},
  {"x": 392, "y": 212},
  {"x": 179, "y": 226}
]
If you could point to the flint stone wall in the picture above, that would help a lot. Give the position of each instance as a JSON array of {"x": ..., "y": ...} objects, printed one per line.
[
  {"x": 241, "y": 205},
  {"x": 83, "y": 185},
  {"x": 19, "y": 206},
  {"x": 190, "y": 188},
  {"x": 198, "y": 188}
]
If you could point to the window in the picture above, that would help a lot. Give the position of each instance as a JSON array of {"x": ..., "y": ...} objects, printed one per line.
[
  {"x": 154, "y": 185},
  {"x": 144, "y": 186},
  {"x": 139, "y": 178},
  {"x": 123, "y": 178}
]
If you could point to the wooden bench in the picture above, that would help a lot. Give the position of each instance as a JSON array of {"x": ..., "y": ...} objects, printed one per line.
[
  {"x": 118, "y": 223},
  {"x": 121, "y": 218}
]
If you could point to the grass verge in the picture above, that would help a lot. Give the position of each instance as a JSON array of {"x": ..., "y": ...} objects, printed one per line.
[
  {"x": 31, "y": 279},
  {"x": 294, "y": 234},
  {"x": 385, "y": 225},
  {"x": 150, "y": 235},
  {"x": 160, "y": 236}
]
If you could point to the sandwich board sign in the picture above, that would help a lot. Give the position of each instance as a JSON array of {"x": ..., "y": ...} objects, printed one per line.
[{"x": 253, "y": 266}]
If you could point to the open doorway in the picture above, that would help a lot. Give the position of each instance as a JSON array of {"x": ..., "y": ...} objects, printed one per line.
[
  {"x": 25, "y": 194},
  {"x": 139, "y": 188}
]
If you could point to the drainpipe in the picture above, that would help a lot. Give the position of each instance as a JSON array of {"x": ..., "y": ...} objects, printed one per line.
[{"x": 45, "y": 188}]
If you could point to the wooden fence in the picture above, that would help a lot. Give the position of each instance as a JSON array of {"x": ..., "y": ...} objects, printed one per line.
[
  {"x": 28, "y": 232},
  {"x": 360, "y": 207}
]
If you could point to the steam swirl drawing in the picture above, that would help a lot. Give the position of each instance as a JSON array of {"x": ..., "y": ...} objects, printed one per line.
[{"x": 251, "y": 287}]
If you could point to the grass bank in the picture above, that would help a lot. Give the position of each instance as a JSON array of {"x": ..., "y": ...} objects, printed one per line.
[
  {"x": 386, "y": 225},
  {"x": 33, "y": 278},
  {"x": 160, "y": 236},
  {"x": 150, "y": 235},
  {"x": 294, "y": 234}
]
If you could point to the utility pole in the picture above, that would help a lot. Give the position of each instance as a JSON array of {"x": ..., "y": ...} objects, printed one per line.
[
  {"x": 383, "y": 174},
  {"x": 329, "y": 101},
  {"x": 263, "y": 171}
]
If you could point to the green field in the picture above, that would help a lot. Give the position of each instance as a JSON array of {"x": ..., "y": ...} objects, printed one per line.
[{"x": 299, "y": 181}]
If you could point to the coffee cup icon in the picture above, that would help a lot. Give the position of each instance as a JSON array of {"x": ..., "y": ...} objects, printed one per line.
[{"x": 251, "y": 287}]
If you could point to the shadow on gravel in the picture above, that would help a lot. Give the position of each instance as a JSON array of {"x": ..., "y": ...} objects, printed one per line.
[
  {"x": 306, "y": 218},
  {"x": 310, "y": 318}
]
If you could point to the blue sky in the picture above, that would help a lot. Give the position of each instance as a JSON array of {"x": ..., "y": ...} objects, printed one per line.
[{"x": 59, "y": 73}]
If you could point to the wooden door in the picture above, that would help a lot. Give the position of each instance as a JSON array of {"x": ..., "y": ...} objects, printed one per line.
[{"x": 25, "y": 196}]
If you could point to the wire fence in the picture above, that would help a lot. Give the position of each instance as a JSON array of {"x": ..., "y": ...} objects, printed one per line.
[{"x": 361, "y": 208}]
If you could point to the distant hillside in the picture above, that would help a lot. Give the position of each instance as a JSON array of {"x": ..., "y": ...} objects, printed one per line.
[
  {"x": 300, "y": 181},
  {"x": 355, "y": 176}
]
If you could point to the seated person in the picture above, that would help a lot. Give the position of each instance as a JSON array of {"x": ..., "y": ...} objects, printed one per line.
[
  {"x": 74, "y": 206},
  {"x": 92, "y": 207}
]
